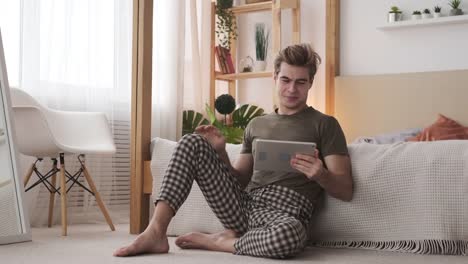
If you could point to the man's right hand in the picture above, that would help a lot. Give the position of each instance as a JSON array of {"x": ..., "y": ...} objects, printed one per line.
[{"x": 214, "y": 136}]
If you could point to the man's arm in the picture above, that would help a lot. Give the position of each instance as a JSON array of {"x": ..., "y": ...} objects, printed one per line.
[
  {"x": 242, "y": 168},
  {"x": 337, "y": 180}
]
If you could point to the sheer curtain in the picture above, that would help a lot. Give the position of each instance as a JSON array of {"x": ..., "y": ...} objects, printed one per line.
[
  {"x": 181, "y": 62},
  {"x": 76, "y": 55}
]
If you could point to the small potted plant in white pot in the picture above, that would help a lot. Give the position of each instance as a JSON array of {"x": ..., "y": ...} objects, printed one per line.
[
  {"x": 437, "y": 10},
  {"x": 416, "y": 15},
  {"x": 394, "y": 14},
  {"x": 456, "y": 10},
  {"x": 426, "y": 13},
  {"x": 261, "y": 46}
]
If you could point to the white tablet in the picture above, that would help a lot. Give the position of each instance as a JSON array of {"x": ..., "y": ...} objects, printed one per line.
[{"x": 275, "y": 155}]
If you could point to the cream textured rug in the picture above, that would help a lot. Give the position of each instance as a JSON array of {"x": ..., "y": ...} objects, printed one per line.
[{"x": 88, "y": 244}]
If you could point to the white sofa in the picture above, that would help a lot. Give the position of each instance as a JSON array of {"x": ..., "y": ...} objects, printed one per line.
[{"x": 409, "y": 197}]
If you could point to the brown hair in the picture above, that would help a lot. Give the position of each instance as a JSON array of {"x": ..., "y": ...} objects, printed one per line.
[{"x": 299, "y": 55}]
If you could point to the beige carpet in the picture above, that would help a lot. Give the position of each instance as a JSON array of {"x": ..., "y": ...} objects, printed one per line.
[{"x": 89, "y": 244}]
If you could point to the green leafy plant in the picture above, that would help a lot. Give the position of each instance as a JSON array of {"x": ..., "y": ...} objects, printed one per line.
[
  {"x": 427, "y": 11},
  {"x": 455, "y": 4},
  {"x": 226, "y": 28},
  {"x": 394, "y": 9},
  {"x": 437, "y": 9},
  {"x": 191, "y": 120},
  {"x": 261, "y": 41},
  {"x": 416, "y": 12},
  {"x": 233, "y": 132},
  {"x": 244, "y": 114}
]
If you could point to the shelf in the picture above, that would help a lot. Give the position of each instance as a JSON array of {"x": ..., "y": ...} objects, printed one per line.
[
  {"x": 244, "y": 75},
  {"x": 264, "y": 6},
  {"x": 425, "y": 22},
  {"x": 248, "y": 8}
]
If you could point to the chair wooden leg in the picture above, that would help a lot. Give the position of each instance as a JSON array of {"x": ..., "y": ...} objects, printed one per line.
[
  {"x": 28, "y": 174},
  {"x": 52, "y": 196},
  {"x": 98, "y": 198},
  {"x": 63, "y": 194}
]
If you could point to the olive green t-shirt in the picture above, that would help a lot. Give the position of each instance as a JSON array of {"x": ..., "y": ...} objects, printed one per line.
[{"x": 308, "y": 125}]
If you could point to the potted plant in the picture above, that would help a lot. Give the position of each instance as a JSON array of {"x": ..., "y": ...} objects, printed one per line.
[
  {"x": 246, "y": 64},
  {"x": 437, "y": 10},
  {"x": 261, "y": 46},
  {"x": 426, "y": 13},
  {"x": 226, "y": 29},
  {"x": 232, "y": 128},
  {"x": 455, "y": 5},
  {"x": 416, "y": 15},
  {"x": 394, "y": 14}
]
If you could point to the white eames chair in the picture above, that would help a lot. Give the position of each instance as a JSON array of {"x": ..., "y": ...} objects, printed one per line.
[{"x": 42, "y": 132}]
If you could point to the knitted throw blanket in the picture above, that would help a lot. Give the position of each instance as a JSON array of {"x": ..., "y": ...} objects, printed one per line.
[{"x": 409, "y": 197}]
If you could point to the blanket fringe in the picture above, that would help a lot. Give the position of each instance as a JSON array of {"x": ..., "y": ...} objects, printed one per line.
[{"x": 431, "y": 246}]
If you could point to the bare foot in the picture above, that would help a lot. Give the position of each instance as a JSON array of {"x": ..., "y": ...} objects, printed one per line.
[
  {"x": 146, "y": 242},
  {"x": 223, "y": 241}
]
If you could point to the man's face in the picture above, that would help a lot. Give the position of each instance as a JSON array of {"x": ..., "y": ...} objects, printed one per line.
[{"x": 292, "y": 87}]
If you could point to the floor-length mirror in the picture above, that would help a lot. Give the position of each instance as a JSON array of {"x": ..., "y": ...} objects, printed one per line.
[{"x": 14, "y": 224}]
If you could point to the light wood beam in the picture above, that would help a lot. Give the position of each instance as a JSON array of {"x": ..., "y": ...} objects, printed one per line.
[
  {"x": 332, "y": 61},
  {"x": 212, "y": 57},
  {"x": 296, "y": 26},
  {"x": 140, "y": 111}
]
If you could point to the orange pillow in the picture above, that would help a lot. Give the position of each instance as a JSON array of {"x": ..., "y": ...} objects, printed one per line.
[{"x": 442, "y": 129}]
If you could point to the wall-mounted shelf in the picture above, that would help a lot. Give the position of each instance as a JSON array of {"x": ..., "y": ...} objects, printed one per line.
[
  {"x": 243, "y": 76},
  {"x": 425, "y": 22}
]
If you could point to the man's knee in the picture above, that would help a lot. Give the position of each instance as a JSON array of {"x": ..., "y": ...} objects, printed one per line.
[
  {"x": 191, "y": 138},
  {"x": 287, "y": 239}
]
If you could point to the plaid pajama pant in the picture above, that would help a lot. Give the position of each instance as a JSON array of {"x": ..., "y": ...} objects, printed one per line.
[{"x": 271, "y": 221}]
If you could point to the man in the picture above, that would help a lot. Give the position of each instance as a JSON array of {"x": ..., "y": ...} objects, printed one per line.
[{"x": 271, "y": 218}]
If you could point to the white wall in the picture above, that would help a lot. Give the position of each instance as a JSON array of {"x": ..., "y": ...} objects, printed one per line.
[
  {"x": 364, "y": 49},
  {"x": 260, "y": 91},
  {"x": 367, "y": 50}
]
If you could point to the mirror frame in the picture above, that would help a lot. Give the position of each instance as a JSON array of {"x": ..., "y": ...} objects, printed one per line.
[{"x": 25, "y": 235}]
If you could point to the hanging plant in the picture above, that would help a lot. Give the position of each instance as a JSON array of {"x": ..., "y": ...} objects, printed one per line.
[{"x": 226, "y": 28}]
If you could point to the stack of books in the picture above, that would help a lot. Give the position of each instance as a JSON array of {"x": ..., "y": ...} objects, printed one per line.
[{"x": 224, "y": 59}]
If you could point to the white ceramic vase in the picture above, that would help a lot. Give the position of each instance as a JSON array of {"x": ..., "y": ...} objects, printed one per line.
[
  {"x": 426, "y": 16},
  {"x": 260, "y": 66},
  {"x": 437, "y": 15}
]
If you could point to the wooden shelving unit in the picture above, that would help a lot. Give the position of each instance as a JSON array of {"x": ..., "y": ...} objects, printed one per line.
[
  {"x": 275, "y": 7},
  {"x": 425, "y": 22},
  {"x": 243, "y": 75}
]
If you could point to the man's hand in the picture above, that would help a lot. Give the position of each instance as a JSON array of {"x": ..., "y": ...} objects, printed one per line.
[
  {"x": 310, "y": 165},
  {"x": 336, "y": 180},
  {"x": 214, "y": 136}
]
